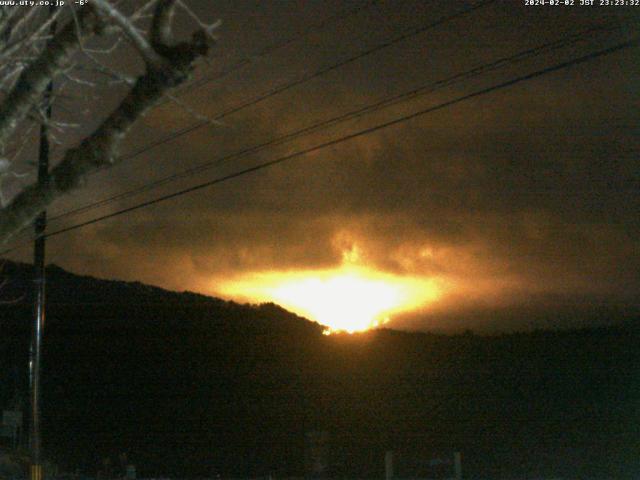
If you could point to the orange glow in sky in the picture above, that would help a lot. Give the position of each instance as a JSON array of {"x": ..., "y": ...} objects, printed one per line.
[{"x": 350, "y": 298}]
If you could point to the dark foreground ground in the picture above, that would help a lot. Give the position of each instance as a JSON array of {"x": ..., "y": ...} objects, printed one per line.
[{"x": 190, "y": 386}]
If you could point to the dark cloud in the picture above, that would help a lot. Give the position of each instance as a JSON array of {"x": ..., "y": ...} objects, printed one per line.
[{"x": 525, "y": 199}]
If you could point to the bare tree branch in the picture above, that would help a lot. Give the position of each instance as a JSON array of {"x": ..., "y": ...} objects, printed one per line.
[
  {"x": 132, "y": 33},
  {"x": 168, "y": 64},
  {"x": 34, "y": 79},
  {"x": 161, "y": 35}
]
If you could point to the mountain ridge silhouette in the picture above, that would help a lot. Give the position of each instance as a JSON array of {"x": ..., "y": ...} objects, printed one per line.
[{"x": 193, "y": 386}]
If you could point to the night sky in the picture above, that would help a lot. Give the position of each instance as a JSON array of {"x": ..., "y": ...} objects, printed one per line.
[{"x": 521, "y": 205}]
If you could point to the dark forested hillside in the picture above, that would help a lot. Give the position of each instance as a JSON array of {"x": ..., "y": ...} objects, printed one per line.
[{"x": 189, "y": 385}]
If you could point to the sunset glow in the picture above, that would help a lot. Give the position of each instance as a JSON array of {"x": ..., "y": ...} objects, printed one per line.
[{"x": 349, "y": 298}]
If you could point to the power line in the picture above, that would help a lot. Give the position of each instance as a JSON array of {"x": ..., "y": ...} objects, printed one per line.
[
  {"x": 279, "y": 45},
  {"x": 384, "y": 103},
  {"x": 249, "y": 59},
  {"x": 400, "y": 38},
  {"x": 306, "y": 78},
  {"x": 484, "y": 91}
]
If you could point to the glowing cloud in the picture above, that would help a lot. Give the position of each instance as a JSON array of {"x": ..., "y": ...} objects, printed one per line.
[{"x": 349, "y": 298}]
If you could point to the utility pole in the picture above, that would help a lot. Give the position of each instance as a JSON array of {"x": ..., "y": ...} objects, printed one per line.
[
  {"x": 388, "y": 465},
  {"x": 35, "y": 354},
  {"x": 39, "y": 280}
]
